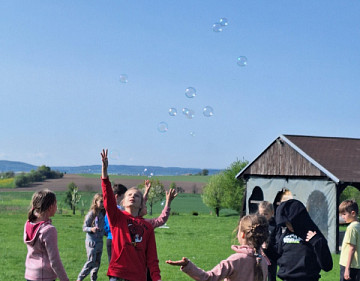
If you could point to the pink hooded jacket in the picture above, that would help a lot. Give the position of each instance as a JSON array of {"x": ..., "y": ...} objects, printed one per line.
[
  {"x": 237, "y": 267},
  {"x": 43, "y": 260}
]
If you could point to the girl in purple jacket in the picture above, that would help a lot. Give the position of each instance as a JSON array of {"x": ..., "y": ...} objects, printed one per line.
[
  {"x": 247, "y": 264},
  {"x": 40, "y": 236}
]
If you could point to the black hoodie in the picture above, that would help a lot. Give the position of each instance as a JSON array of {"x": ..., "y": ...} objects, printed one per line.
[{"x": 298, "y": 259}]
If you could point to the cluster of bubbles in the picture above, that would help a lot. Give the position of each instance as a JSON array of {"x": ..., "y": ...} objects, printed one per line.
[
  {"x": 220, "y": 25},
  {"x": 149, "y": 175},
  {"x": 189, "y": 113}
]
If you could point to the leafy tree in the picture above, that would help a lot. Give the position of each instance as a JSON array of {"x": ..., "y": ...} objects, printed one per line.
[
  {"x": 72, "y": 196},
  {"x": 204, "y": 172},
  {"x": 234, "y": 188},
  {"x": 22, "y": 180},
  {"x": 172, "y": 185},
  {"x": 350, "y": 192},
  {"x": 213, "y": 193},
  {"x": 156, "y": 194}
]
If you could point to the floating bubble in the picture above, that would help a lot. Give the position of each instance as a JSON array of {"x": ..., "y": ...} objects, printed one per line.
[
  {"x": 151, "y": 175},
  {"x": 224, "y": 22},
  {"x": 208, "y": 111},
  {"x": 162, "y": 127},
  {"x": 123, "y": 78},
  {"x": 190, "y": 92},
  {"x": 185, "y": 111},
  {"x": 242, "y": 61},
  {"x": 217, "y": 27},
  {"x": 192, "y": 134},
  {"x": 190, "y": 114},
  {"x": 114, "y": 155},
  {"x": 172, "y": 111},
  {"x": 163, "y": 203}
]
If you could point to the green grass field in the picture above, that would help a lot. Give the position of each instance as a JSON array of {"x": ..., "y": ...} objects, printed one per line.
[{"x": 205, "y": 239}]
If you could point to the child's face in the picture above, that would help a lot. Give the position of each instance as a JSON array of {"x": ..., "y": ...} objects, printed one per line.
[
  {"x": 53, "y": 209},
  {"x": 289, "y": 226},
  {"x": 100, "y": 204},
  {"x": 266, "y": 213},
  {"x": 349, "y": 217},
  {"x": 132, "y": 198}
]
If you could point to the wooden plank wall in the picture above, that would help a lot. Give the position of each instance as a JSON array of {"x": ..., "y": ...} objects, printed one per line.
[{"x": 282, "y": 160}]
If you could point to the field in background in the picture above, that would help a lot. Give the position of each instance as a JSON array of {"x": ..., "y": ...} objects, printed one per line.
[{"x": 205, "y": 239}]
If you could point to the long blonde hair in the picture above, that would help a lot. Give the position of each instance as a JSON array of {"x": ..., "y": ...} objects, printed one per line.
[
  {"x": 94, "y": 208},
  {"x": 256, "y": 232}
]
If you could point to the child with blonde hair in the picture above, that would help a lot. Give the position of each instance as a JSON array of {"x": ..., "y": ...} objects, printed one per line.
[
  {"x": 247, "y": 264},
  {"x": 40, "y": 236},
  {"x": 94, "y": 228}
]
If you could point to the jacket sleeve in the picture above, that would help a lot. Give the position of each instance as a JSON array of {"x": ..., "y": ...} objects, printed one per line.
[
  {"x": 112, "y": 211},
  {"x": 89, "y": 218},
  {"x": 224, "y": 269},
  {"x": 160, "y": 220},
  {"x": 107, "y": 227},
  {"x": 322, "y": 252},
  {"x": 271, "y": 250},
  {"x": 49, "y": 238},
  {"x": 152, "y": 258}
]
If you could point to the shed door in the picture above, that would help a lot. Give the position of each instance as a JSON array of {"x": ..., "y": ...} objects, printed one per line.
[{"x": 256, "y": 197}]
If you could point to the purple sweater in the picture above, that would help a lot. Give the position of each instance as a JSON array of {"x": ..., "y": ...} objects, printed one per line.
[
  {"x": 237, "y": 267},
  {"x": 43, "y": 260}
]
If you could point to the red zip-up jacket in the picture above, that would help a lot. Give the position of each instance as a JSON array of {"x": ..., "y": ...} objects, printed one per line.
[{"x": 133, "y": 243}]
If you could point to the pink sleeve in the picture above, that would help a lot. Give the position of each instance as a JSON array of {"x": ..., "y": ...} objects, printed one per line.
[
  {"x": 160, "y": 220},
  {"x": 50, "y": 239},
  {"x": 224, "y": 269}
]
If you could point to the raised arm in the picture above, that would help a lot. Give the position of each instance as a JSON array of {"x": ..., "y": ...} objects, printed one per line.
[{"x": 147, "y": 184}]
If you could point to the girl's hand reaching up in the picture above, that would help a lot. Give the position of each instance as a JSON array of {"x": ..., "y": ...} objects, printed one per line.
[
  {"x": 105, "y": 163},
  {"x": 182, "y": 262}
]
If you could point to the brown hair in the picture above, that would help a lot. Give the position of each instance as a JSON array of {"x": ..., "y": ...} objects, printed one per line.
[
  {"x": 348, "y": 205},
  {"x": 119, "y": 189},
  {"x": 256, "y": 232},
  {"x": 41, "y": 201},
  {"x": 266, "y": 205}
]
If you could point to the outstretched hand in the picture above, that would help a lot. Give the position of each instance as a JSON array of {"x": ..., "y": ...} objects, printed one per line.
[
  {"x": 105, "y": 162},
  {"x": 170, "y": 196},
  {"x": 182, "y": 262},
  {"x": 147, "y": 185}
]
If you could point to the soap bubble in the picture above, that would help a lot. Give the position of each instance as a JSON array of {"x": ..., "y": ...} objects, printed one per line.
[
  {"x": 192, "y": 134},
  {"x": 190, "y": 92},
  {"x": 151, "y": 175},
  {"x": 208, "y": 111},
  {"x": 217, "y": 27},
  {"x": 242, "y": 61},
  {"x": 145, "y": 170},
  {"x": 172, "y": 111},
  {"x": 114, "y": 154},
  {"x": 163, "y": 203},
  {"x": 123, "y": 78},
  {"x": 190, "y": 114},
  {"x": 162, "y": 127},
  {"x": 224, "y": 22},
  {"x": 185, "y": 111}
]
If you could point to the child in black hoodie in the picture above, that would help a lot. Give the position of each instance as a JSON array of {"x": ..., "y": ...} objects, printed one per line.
[{"x": 302, "y": 248}]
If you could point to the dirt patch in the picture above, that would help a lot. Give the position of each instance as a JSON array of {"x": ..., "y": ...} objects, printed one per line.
[{"x": 94, "y": 184}]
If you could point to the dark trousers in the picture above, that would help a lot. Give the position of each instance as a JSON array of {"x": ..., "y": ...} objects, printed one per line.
[
  {"x": 108, "y": 248},
  {"x": 354, "y": 274},
  {"x": 272, "y": 271}
]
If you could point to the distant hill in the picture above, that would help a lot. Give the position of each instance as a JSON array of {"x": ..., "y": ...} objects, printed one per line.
[{"x": 6, "y": 166}]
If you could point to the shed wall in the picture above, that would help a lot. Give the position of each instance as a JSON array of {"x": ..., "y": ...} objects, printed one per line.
[{"x": 307, "y": 191}]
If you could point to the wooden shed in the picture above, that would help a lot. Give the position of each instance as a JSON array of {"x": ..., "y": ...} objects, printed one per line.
[{"x": 315, "y": 170}]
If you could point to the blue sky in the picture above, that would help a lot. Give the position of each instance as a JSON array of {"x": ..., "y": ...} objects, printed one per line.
[{"x": 62, "y": 101}]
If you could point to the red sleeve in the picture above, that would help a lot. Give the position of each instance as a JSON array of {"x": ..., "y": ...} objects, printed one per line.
[
  {"x": 152, "y": 259},
  {"x": 109, "y": 201}
]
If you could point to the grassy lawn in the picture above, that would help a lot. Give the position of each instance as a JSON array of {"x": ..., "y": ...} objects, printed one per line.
[{"x": 205, "y": 239}]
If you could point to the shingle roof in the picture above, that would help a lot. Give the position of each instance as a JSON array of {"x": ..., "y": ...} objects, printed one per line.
[{"x": 340, "y": 156}]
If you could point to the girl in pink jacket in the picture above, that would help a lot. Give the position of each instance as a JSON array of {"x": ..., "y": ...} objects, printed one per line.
[
  {"x": 247, "y": 264},
  {"x": 40, "y": 236}
]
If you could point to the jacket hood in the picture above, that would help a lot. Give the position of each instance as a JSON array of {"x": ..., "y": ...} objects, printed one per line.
[
  {"x": 32, "y": 230},
  {"x": 243, "y": 249},
  {"x": 294, "y": 211}
]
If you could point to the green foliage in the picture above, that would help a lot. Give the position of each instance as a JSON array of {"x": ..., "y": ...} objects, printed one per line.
[
  {"x": 214, "y": 192},
  {"x": 224, "y": 190},
  {"x": 7, "y": 175},
  {"x": 72, "y": 196},
  {"x": 350, "y": 192},
  {"x": 41, "y": 174},
  {"x": 234, "y": 188},
  {"x": 156, "y": 194}
]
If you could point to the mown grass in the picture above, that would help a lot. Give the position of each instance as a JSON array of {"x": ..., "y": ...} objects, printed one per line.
[{"x": 205, "y": 239}]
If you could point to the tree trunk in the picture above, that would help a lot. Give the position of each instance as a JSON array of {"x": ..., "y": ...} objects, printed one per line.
[{"x": 217, "y": 211}]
